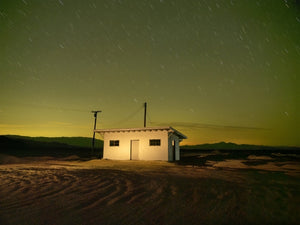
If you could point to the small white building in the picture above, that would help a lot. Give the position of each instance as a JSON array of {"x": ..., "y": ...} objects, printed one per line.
[{"x": 147, "y": 143}]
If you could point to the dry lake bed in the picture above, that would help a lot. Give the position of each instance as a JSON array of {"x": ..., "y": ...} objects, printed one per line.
[{"x": 48, "y": 190}]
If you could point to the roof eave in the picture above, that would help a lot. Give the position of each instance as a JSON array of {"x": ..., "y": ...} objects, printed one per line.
[
  {"x": 179, "y": 134},
  {"x": 169, "y": 129}
]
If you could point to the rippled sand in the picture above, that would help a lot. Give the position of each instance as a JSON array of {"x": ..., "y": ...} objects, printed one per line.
[{"x": 69, "y": 191}]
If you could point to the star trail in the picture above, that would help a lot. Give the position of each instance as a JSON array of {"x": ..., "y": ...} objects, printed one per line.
[{"x": 215, "y": 70}]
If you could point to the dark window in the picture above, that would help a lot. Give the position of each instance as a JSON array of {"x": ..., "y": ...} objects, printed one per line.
[
  {"x": 114, "y": 143},
  {"x": 154, "y": 142}
]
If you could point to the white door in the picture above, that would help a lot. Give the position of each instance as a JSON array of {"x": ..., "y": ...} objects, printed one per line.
[{"x": 135, "y": 149}]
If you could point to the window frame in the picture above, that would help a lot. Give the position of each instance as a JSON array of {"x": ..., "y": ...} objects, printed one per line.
[
  {"x": 154, "y": 142},
  {"x": 114, "y": 143}
]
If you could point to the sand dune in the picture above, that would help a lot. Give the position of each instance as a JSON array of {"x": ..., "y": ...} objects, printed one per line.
[{"x": 127, "y": 192}]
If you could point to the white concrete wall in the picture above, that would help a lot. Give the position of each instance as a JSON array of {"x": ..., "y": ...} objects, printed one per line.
[
  {"x": 146, "y": 152},
  {"x": 121, "y": 152}
]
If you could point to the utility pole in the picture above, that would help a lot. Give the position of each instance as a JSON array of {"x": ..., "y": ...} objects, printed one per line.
[
  {"x": 95, "y": 115},
  {"x": 145, "y": 113}
]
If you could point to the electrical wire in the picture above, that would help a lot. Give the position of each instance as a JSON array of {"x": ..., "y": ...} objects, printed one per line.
[
  {"x": 127, "y": 118},
  {"x": 32, "y": 105}
]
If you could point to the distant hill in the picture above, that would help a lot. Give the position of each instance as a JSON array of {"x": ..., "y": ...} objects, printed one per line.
[
  {"x": 56, "y": 146},
  {"x": 83, "y": 142},
  {"x": 233, "y": 146},
  {"x": 81, "y": 146}
]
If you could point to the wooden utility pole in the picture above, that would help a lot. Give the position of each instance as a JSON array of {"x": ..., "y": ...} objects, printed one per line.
[
  {"x": 145, "y": 113},
  {"x": 95, "y": 115}
]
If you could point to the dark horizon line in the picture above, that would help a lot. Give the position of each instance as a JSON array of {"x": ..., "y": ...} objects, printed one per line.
[{"x": 190, "y": 145}]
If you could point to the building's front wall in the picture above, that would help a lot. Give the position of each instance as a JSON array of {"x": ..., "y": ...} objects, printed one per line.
[{"x": 146, "y": 152}]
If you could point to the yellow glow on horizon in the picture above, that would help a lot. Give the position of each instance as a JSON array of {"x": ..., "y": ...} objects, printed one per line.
[{"x": 195, "y": 136}]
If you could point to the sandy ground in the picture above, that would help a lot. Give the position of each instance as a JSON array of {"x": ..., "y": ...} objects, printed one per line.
[{"x": 69, "y": 191}]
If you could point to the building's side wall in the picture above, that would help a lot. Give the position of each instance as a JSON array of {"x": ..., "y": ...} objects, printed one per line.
[
  {"x": 177, "y": 150},
  {"x": 146, "y": 152},
  {"x": 173, "y": 138}
]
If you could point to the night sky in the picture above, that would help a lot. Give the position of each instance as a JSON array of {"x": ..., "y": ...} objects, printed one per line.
[{"x": 215, "y": 70}]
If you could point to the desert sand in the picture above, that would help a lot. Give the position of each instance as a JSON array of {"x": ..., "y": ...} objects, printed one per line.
[{"x": 48, "y": 190}]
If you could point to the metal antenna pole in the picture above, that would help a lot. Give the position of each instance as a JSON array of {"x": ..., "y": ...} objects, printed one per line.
[
  {"x": 145, "y": 113},
  {"x": 95, "y": 115}
]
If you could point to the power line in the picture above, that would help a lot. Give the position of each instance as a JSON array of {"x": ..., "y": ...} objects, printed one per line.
[
  {"x": 148, "y": 117},
  {"x": 129, "y": 116},
  {"x": 145, "y": 113},
  {"x": 52, "y": 107},
  {"x": 95, "y": 115}
]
